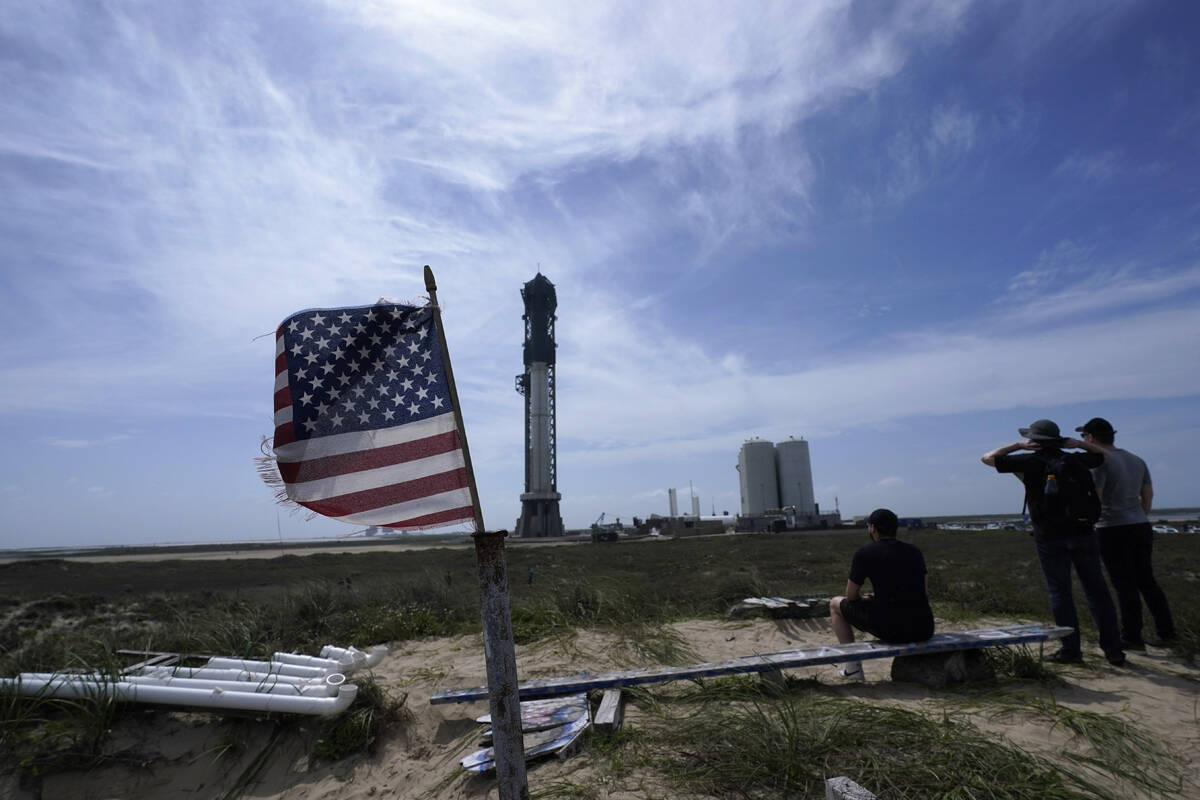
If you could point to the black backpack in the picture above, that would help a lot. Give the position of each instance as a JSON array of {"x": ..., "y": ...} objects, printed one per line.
[{"x": 1067, "y": 501}]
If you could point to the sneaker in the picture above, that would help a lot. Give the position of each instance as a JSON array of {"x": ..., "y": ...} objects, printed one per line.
[
  {"x": 1132, "y": 644},
  {"x": 853, "y": 672},
  {"x": 1160, "y": 641},
  {"x": 1065, "y": 657}
]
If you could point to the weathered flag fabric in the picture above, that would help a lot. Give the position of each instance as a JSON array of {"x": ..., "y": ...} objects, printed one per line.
[{"x": 364, "y": 428}]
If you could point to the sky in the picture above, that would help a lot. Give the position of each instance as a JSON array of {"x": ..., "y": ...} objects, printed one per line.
[{"x": 900, "y": 230}]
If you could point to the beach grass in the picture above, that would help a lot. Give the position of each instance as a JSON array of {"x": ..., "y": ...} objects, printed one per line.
[{"x": 254, "y": 607}]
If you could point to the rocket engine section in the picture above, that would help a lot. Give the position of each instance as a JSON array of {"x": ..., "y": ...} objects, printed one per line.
[{"x": 539, "y": 503}]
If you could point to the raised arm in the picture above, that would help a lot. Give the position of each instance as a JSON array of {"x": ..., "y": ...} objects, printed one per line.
[{"x": 990, "y": 457}]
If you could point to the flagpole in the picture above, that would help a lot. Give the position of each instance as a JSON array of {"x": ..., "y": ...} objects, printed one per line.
[
  {"x": 499, "y": 653},
  {"x": 431, "y": 288}
]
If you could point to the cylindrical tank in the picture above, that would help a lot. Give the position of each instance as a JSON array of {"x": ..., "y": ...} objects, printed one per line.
[
  {"x": 673, "y": 503},
  {"x": 795, "y": 475},
  {"x": 756, "y": 470}
]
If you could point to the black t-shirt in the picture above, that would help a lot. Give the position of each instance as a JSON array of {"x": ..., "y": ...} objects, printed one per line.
[
  {"x": 896, "y": 570},
  {"x": 1031, "y": 469}
]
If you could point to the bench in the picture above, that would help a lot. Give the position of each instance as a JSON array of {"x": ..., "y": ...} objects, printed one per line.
[{"x": 768, "y": 662}]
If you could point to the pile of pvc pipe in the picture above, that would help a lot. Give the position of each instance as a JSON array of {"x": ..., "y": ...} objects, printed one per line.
[{"x": 289, "y": 683}]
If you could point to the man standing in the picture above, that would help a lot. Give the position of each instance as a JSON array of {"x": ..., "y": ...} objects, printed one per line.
[
  {"x": 1126, "y": 540},
  {"x": 1063, "y": 541},
  {"x": 898, "y": 611}
]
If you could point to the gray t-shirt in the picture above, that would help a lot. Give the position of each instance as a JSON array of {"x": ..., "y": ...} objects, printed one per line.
[{"x": 1119, "y": 480}]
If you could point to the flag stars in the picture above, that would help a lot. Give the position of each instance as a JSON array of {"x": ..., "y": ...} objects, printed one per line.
[
  {"x": 317, "y": 319},
  {"x": 306, "y": 334},
  {"x": 348, "y": 404},
  {"x": 426, "y": 355},
  {"x": 293, "y": 326},
  {"x": 389, "y": 415},
  {"x": 344, "y": 318},
  {"x": 422, "y": 393},
  {"x": 321, "y": 343},
  {"x": 297, "y": 349},
  {"x": 414, "y": 409},
  {"x": 364, "y": 418},
  {"x": 414, "y": 346},
  {"x": 306, "y": 399},
  {"x": 336, "y": 420},
  {"x": 358, "y": 391},
  {"x": 437, "y": 401},
  {"x": 373, "y": 404}
]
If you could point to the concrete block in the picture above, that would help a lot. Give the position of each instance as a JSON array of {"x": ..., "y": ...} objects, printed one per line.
[
  {"x": 938, "y": 669},
  {"x": 842, "y": 788}
]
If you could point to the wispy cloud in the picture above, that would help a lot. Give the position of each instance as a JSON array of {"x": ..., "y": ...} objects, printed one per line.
[{"x": 1092, "y": 167}]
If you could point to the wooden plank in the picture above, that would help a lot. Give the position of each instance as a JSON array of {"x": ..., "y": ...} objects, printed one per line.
[
  {"x": 611, "y": 711},
  {"x": 787, "y": 659}
]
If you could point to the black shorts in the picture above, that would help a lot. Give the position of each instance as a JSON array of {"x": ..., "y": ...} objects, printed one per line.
[
  {"x": 858, "y": 614},
  {"x": 899, "y": 628}
]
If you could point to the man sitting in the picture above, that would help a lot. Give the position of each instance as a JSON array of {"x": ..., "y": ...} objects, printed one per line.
[{"x": 898, "y": 611}]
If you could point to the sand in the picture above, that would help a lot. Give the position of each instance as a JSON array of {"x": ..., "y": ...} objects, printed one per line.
[{"x": 197, "y": 755}]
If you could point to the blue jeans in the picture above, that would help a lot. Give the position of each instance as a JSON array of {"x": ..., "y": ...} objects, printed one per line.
[{"x": 1057, "y": 557}]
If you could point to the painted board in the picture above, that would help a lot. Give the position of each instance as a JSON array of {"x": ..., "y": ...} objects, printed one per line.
[
  {"x": 537, "y": 715},
  {"x": 787, "y": 659},
  {"x": 537, "y": 743}
]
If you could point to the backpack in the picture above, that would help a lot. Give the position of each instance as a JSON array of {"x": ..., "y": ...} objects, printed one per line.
[{"x": 1068, "y": 502}]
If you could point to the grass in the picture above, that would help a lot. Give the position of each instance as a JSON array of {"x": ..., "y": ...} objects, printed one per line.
[
  {"x": 789, "y": 748},
  {"x": 252, "y": 608}
]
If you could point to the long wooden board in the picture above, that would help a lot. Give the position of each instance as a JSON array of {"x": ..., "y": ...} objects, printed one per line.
[{"x": 787, "y": 659}]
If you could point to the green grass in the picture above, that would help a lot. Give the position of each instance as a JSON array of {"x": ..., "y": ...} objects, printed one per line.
[
  {"x": 254, "y": 607},
  {"x": 788, "y": 747}
]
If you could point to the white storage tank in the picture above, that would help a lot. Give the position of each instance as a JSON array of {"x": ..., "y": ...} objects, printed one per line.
[
  {"x": 795, "y": 475},
  {"x": 756, "y": 471}
]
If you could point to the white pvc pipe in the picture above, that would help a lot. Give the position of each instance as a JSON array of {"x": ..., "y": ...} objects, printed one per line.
[
  {"x": 329, "y": 664},
  {"x": 74, "y": 685},
  {"x": 308, "y": 689},
  {"x": 362, "y": 659},
  {"x": 222, "y": 674},
  {"x": 269, "y": 667},
  {"x": 235, "y": 682}
]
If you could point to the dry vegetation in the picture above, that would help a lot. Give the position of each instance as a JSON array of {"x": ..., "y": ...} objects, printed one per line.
[{"x": 731, "y": 738}]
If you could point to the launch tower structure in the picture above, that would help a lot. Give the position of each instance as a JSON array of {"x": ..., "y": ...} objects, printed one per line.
[{"x": 540, "y": 514}]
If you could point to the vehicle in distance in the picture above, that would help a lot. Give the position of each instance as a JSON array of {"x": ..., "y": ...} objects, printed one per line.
[{"x": 1165, "y": 529}]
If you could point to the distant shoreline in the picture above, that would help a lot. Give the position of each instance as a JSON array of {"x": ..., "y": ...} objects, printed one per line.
[{"x": 390, "y": 542}]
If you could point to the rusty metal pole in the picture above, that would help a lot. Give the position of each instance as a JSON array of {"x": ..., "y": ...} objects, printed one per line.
[{"x": 501, "y": 661}]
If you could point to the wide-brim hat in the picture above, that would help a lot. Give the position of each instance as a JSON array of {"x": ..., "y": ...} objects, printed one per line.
[{"x": 1042, "y": 430}]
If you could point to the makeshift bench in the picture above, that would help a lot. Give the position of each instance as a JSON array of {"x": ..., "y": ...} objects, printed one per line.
[{"x": 769, "y": 662}]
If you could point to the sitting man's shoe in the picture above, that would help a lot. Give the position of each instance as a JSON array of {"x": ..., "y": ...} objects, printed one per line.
[
  {"x": 1116, "y": 659},
  {"x": 1132, "y": 644},
  {"x": 1160, "y": 641},
  {"x": 1065, "y": 657},
  {"x": 853, "y": 672}
]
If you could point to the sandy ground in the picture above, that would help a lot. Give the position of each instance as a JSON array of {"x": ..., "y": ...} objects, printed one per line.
[{"x": 177, "y": 754}]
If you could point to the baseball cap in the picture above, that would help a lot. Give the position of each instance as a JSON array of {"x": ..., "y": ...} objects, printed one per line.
[{"x": 1097, "y": 425}]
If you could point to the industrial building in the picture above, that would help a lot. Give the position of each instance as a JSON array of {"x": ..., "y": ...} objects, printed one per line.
[{"x": 777, "y": 486}]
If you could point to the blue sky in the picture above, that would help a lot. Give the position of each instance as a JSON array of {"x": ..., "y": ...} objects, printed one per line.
[{"x": 900, "y": 230}]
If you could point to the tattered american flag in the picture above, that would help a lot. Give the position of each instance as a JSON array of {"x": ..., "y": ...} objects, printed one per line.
[{"x": 364, "y": 428}]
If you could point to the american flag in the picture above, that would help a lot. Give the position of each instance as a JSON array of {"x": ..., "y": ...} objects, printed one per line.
[{"x": 364, "y": 427}]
